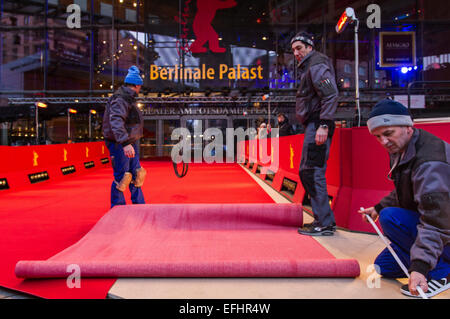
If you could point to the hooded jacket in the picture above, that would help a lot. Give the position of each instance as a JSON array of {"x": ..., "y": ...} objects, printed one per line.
[
  {"x": 317, "y": 94},
  {"x": 123, "y": 122},
  {"x": 422, "y": 184}
]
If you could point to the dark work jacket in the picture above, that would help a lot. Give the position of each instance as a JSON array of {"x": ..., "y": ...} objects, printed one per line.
[
  {"x": 317, "y": 94},
  {"x": 422, "y": 184},
  {"x": 123, "y": 122}
]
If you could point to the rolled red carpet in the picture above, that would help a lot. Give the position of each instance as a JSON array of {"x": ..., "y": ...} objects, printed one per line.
[{"x": 197, "y": 240}]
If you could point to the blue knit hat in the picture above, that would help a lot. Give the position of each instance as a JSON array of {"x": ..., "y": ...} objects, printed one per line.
[
  {"x": 389, "y": 113},
  {"x": 133, "y": 76}
]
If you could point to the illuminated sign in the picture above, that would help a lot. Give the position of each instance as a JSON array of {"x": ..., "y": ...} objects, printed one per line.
[
  {"x": 68, "y": 170},
  {"x": 397, "y": 49},
  {"x": 90, "y": 164},
  {"x": 179, "y": 111},
  {"x": 204, "y": 73},
  {"x": 4, "y": 183},
  {"x": 38, "y": 177}
]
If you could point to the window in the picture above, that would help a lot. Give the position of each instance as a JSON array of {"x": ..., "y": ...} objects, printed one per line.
[
  {"x": 362, "y": 84},
  {"x": 347, "y": 68},
  {"x": 362, "y": 71},
  {"x": 130, "y": 15},
  {"x": 346, "y": 83},
  {"x": 106, "y": 9}
]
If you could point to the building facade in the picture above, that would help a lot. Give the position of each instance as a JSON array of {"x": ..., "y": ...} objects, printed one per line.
[{"x": 191, "y": 48}]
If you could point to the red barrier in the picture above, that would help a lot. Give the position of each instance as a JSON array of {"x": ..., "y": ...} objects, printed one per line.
[
  {"x": 356, "y": 175},
  {"x": 23, "y": 166}
]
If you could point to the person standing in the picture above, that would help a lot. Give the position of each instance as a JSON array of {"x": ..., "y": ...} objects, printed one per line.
[
  {"x": 123, "y": 124},
  {"x": 316, "y": 103},
  {"x": 415, "y": 216},
  {"x": 284, "y": 128}
]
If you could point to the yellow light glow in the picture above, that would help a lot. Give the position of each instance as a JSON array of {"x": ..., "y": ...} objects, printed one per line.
[{"x": 40, "y": 104}]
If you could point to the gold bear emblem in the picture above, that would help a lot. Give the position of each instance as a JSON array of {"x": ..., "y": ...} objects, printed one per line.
[
  {"x": 291, "y": 156},
  {"x": 35, "y": 157}
]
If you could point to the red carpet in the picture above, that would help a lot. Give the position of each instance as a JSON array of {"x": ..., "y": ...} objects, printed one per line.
[
  {"x": 38, "y": 222},
  {"x": 197, "y": 240},
  {"x": 43, "y": 220},
  {"x": 213, "y": 183}
]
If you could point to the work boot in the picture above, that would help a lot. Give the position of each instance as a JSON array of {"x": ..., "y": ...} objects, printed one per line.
[
  {"x": 317, "y": 231},
  {"x": 316, "y": 223},
  {"x": 125, "y": 181},
  {"x": 140, "y": 177}
]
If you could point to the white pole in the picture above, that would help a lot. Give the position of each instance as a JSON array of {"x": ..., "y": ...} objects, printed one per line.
[
  {"x": 37, "y": 123},
  {"x": 90, "y": 126},
  {"x": 397, "y": 259},
  {"x": 68, "y": 125},
  {"x": 357, "y": 72}
]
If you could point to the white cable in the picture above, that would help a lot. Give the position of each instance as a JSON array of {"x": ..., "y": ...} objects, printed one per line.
[{"x": 402, "y": 266}]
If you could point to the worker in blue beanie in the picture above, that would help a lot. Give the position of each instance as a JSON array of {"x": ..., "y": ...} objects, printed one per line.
[
  {"x": 123, "y": 124},
  {"x": 415, "y": 216}
]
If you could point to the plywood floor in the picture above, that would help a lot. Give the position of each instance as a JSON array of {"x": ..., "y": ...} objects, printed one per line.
[{"x": 344, "y": 244}]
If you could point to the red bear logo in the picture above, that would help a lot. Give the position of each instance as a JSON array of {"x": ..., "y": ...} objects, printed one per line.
[{"x": 203, "y": 30}]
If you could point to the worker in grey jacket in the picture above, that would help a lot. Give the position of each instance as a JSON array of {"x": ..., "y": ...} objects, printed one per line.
[
  {"x": 122, "y": 128},
  {"x": 415, "y": 216},
  {"x": 316, "y": 104}
]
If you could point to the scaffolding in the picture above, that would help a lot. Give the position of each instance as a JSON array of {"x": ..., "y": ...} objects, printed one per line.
[{"x": 178, "y": 100}]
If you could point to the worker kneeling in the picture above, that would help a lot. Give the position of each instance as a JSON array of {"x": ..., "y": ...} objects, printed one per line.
[{"x": 415, "y": 216}]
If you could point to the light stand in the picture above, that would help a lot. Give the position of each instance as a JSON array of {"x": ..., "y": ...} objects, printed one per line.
[
  {"x": 90, "y": 123},
  {"x": 346, "y": 18},
  {"x": 38, "y": 105},
  {"x": 69, "y": 110}
]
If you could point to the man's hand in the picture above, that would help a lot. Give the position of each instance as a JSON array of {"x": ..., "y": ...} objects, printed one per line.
[
  {"x": 371, "y": 212},
  {"x": 321, "y": 135},
  {"x": 417, "y": 279},
  {"x": 129, "y": 151}
]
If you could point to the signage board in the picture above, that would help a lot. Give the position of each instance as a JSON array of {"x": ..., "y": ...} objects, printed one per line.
[{"x": 397, "y": 49}]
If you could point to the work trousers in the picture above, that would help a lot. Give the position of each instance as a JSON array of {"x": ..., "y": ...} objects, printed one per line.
[
  {"x": 313, "y": 166},
  {"x": 122, "y": 164},
  {"x": 400, "y": 227}
]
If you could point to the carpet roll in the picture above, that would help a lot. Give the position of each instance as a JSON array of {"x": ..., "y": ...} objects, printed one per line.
[
  {"x": 194, "y": 240},
  {"x": 243, "y": 269}
]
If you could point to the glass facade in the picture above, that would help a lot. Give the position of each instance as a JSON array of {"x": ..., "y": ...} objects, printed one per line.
[{"x": 83, "y": 48}]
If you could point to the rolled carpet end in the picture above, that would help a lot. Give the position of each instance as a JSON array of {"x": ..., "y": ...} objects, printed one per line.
[{"x": 339, "y": 268}]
